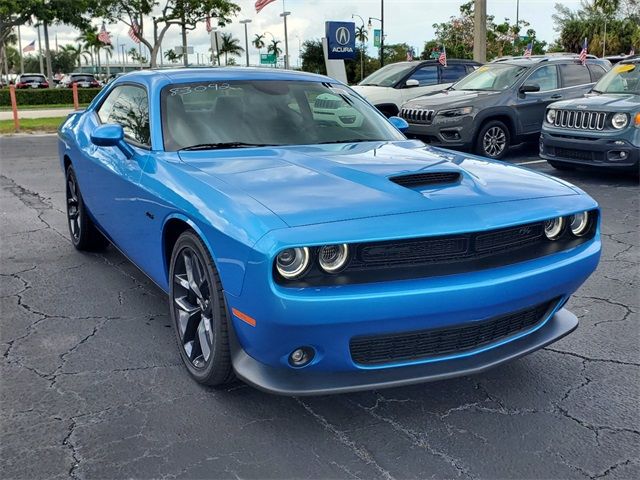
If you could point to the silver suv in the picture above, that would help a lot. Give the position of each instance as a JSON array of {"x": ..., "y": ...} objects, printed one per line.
[{"x": 502, "y": 103}]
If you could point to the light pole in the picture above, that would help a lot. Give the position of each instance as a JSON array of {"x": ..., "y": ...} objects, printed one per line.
[
  {"x": 381, "y": 20},
  {"x": 286, "y": 40},
  {"x": 361, "y": 47},
  {"x": 124, "y": 55},
  {"x": 246, "y": 39}
]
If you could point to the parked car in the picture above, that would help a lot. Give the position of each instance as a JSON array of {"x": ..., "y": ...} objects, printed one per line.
[
  {"x": 601, "y": 129},
  {"x": 500, "y": 104},
  {"x": 32, "y": 80},
  {"x": 312, "y": 257},
  {"x": 394, "y": 84},
  {"x": 83, "y": 80}
]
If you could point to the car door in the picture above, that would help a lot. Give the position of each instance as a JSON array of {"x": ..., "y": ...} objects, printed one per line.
[
  {"x": 576, "y": 80},
  {"x": 114, "y": 194},
  {"x": 531, "y": 106},
  {"x": 427, "y": 77}
]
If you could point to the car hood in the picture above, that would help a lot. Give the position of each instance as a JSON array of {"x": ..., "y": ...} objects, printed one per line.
[
  {"x": 448, "y": 98},
  {"x": 307, "y": 185},
  {"x": 609, "y": 102}
]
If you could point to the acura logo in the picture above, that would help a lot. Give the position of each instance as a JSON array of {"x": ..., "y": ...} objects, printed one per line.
[{"x": 343, "y": 35}]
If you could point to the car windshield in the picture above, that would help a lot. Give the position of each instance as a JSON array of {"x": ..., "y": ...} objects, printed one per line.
[
  {"x": 493, "y": 77},
  {"x": 623, "y": 78},
  {"x": 388, "y": 76},
  {"x": 234, "y": 114},
  {"x": 82, "y": 78},
  {"x": 32, "y": 78}
]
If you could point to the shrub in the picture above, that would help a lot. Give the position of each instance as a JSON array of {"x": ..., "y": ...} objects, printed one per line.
[{"x": 47, "y": 96}]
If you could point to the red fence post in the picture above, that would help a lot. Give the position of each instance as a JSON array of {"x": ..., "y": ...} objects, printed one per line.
[
  {"x": 76, "y": 104},
  {"x": 14, "y": 106}
]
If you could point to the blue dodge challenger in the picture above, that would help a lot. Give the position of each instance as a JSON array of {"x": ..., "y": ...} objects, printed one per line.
[{"x": 308, "y": 247}]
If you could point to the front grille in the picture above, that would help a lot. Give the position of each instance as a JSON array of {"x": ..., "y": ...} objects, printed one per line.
[
  {"x": 573, "y": 154},
  {"x": 431, "y": 178},
  {"x": 417, "y": 115},
  {"x": 326, "y": 104},
  {"x": 424, "y": 344},
  {"x": 580, "y": 120}
]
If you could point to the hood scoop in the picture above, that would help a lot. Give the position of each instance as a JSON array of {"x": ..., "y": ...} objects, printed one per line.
[{"x": 426, "y": 179}]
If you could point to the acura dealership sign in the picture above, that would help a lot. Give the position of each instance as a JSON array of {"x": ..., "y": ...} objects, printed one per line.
[{"x": 341, "y": 40}]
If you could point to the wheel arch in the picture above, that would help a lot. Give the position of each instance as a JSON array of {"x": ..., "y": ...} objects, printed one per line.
[
  {"x": 503, "y": 116},
  {"x": 66, "y": 162}
]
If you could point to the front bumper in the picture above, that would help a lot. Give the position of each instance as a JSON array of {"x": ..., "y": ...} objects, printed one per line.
[
  {"x": 590, "y": 149},
  {"x": 304, "y": 382},
  {"x": 447, "y": 132}
]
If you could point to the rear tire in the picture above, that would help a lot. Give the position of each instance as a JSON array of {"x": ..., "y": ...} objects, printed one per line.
[
  {"x": 561, "y": 166},
  {"x": 84, "y": 234},
  {"x": 198, "y": 312},
  {"x": 493, "y": 140}
]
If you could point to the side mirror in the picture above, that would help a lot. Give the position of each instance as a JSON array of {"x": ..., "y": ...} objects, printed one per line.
[
  {"x": 530, "y": 88},
  {"x": 111, "y": 135},
  {"x": 400, "y": 123},
  {"x": 412, "y": 82}
]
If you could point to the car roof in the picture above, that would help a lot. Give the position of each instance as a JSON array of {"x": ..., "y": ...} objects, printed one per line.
[
  {"x": 30, "y": 74},
  {"x": 536, "y": 59}
]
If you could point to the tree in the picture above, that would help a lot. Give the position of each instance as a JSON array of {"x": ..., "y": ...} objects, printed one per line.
[
  {"x": 77, "y": 52},
  {"x": 171, "y": 56},
  {"x": 136, "y": 56},
  {"x": 164, "y": 14},
  {"x": 312, "y": 57},
  {"x": 258, "y": 41},
  {"x": 230, "y": 46},
  {"x": 362, "y": 36},
  {"x": 274, "y": 48}
]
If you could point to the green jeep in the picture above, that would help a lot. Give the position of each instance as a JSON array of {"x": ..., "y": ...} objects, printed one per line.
[{"x": 601, "y": 129}]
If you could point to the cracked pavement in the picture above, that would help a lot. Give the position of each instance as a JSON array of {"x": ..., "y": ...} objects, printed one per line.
[{"x": 91, "y": 384}]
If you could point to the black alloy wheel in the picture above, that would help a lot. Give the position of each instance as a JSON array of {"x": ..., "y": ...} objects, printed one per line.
[
  {"x": 198, "y": 312},
  {"x": 84, "y": 234}
]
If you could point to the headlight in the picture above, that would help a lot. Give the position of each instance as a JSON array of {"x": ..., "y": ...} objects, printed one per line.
[
  {"x": 456, "y": 112},
  {"x": 551, "y": 115},
  {"x": 332, "y": 258},
  {"x": 553, "y": 228},
  {"x": 619, "y": 120},
  {"x": 293, "y": 262},
  {"x": 579, "y": 223}
]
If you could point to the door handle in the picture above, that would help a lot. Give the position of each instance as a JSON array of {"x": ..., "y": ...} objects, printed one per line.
[{"x": 556, "y": 96}]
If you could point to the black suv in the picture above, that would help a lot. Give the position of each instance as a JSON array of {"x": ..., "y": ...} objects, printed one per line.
[{"x": 500, "y": 104}]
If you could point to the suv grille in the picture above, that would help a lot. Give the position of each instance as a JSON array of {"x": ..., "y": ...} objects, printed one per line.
[
  {"x": 581, "y": 120},
  {"x": 423, "y": 344},
  {"x": 326, "y": 104},
  {"x": 416, "y": 115}
]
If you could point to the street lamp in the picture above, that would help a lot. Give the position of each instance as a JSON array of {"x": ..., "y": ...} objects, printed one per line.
[
  {"x": 381, "y": 20},
  {"x": 286, "y": 39},
  {"x": 246, "y": 38},
  {"x": 361, "y": 47}
]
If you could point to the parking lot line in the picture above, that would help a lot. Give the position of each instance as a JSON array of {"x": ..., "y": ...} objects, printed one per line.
[{"x": 532, "y": 161}]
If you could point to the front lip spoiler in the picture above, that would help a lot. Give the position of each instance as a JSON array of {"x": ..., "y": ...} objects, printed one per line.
[{"x": 303, "y": 382}]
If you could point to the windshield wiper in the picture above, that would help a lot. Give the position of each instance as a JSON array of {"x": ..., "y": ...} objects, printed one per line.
[
  {"x": 353, "y": 140},
  {"x": 215, "y": 146}
]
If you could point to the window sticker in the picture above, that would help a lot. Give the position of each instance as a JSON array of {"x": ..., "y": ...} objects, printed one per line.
[
  {"x": 186, "y": 90},
  {"x": 624, "y": 68}
]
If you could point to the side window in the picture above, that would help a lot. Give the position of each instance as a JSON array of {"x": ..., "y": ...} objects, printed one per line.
[
  {"x": 426, "y": 75},
  {"x": 452, "y": 73},
  {"x": 597, "y": 72},
  {"x": 574, "y": 74},
  {"x": 129, "y": 108},
  {"x": 546, "y": 77}
]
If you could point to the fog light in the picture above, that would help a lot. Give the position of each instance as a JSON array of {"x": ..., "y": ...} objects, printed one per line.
[
  {"x": 301, "y": 356},
  {"x": 553, "y": 228}
]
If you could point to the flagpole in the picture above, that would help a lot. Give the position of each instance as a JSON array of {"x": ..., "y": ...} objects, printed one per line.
[{"x": 20, "y": 50}]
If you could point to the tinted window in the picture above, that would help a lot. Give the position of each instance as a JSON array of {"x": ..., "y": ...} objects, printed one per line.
[
  {"x": 546, "y": 77},
  {"x": 452, "y": 73},
  {"x": 32, "y": 78},
  {"x": 82, "y": 78},
  {"x": 426, "y": 75},
  {"x": 128, "y": 105},
  {"x": 597, "y": 72},
  {"x": 574, "y": 74}
]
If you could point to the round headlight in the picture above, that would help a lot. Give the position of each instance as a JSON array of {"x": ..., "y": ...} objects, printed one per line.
[
  {"x": 293, "y": 262},
  {"x": 551, "y": 116},
  {"x": 579, "y": 223},
  {"x": 619, "y": 120},
  {"x": 333, "y": 257},
  {"x": 553, "y": 228}
]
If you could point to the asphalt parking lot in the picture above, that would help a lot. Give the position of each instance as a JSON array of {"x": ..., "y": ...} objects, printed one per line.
[{"x": 91, "y": 383}]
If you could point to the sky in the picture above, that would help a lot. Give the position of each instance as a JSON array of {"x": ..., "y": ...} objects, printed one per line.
[{"x": 407, "y": 21}]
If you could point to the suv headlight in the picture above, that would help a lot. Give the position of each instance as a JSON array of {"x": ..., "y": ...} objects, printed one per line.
[
  {"x": 456, "y": 112},
  {"x": 551, "y": 115},
  {"x": 619, "y": 120}
]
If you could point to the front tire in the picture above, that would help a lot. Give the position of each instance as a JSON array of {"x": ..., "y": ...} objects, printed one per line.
[
  {"x": 198, "y": 312},
  {"x": 84, "y": 234},
  {"x": 493, "y": 140}
]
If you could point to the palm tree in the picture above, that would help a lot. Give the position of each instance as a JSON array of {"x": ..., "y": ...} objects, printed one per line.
[
  {"x": 230, "y": 46},
  {"x": 77, "y": 52},
  {"x": 89, "y": 41},
  {"x": 274, "y": 48},
  {"x": 172, "y": 56},
  {"x": 258, "y": 41},
  {"x": 362, "y": 36}
]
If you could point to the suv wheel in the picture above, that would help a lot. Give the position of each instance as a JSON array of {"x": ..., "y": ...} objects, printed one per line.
[{"x": 493, "y": 140}]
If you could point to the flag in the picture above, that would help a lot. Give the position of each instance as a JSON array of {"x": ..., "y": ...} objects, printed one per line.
[
  {"x": 29, "y": 48},
  {"x": 443, "y": 57},
  {"x": 134, "y": 31},
  {"x": 208, "y": 23},
  {"x": 260, "y": 4},
  {"x": 528, "y": 50},
  {"x": 103, "y": 36},
  {"x": 583, "y": 52}
]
